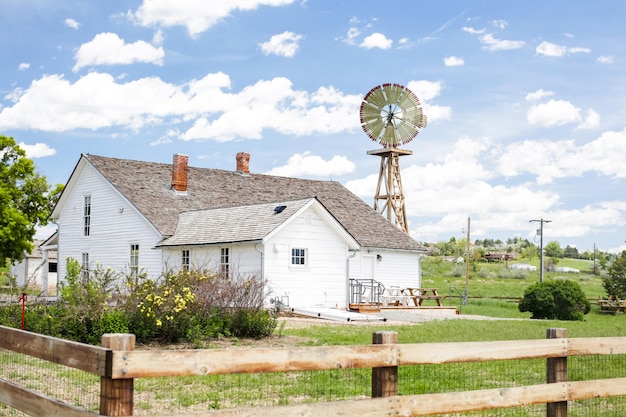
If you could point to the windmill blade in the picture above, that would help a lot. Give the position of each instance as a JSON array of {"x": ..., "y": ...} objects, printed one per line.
[
  {"x": 369, "y": 112},
  {"x": 376, "y": 98},
  {"x": 393, "y": 92},
  {"x": 374, "y": 129},
  {"x": 389, "y": 137}
]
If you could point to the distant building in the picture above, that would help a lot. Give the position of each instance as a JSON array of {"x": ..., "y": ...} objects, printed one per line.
[
  {"x": 498, "y": 256},
  {"x": 38, "y": 269}
]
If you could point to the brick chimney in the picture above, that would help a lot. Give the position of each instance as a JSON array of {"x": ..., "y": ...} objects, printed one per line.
[
  {"x": 179, "y": 173},
  {"x": 243, "y": 162}
]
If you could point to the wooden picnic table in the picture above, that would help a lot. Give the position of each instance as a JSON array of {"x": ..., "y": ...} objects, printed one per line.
[{"x": 418, "y": 295}]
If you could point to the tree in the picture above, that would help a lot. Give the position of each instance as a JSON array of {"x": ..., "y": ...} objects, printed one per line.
[
  {"x": 571, "y": 252},
  {"x": 553, "y": 249},
  {"x": 615, "y": 283},
  {"x": 25, "y": 200}
]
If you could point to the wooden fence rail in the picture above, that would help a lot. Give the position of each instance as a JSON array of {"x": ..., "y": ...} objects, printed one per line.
[{"x": 118, "y": 364}]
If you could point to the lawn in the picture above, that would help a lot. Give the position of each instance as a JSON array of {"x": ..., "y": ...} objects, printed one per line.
[{"x": 494, "y": 289}]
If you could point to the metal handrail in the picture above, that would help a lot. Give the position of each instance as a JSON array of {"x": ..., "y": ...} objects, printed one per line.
[
  {"x": 462, "y": 299},
  {"x": 360, "y": 287}
]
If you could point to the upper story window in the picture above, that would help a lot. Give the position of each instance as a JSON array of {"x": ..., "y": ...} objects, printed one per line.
[
  {"x": 87, "y": 215},
  {"x": 298, "y": 256},
  {"x": 185, "y": 260},
  {"x": 224, "y": 261},
  {"x": 134, "y": 259}
]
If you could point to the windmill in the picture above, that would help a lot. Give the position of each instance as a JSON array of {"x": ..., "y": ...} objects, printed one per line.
[{"x": 392, "y": 116}]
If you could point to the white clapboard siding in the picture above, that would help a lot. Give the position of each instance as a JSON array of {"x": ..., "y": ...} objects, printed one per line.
[
  {"x": 115, "y": 225},
  {"x": 322, "y": 281}
]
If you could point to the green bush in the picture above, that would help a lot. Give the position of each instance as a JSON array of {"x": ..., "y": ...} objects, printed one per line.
[
  {"x": 561, "y": 300},
  {"x": 253, "y": 323}
]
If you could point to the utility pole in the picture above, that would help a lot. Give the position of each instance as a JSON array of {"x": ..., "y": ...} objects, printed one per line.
[
  {"x": 541, "y": 221},
  {"x": 467, "y": 263}
]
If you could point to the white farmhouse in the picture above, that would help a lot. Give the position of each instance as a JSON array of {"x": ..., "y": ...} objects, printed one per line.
[{"x": 312, "y": 242}]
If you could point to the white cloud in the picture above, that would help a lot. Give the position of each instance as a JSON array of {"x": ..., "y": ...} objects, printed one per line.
[
  {"x": 285, "y": 44},
  {"x": 23, "y": 66},
  {"x": 453, "y": 61},
  {"x": 553, "y": 113},
  {"x": 473, "y": 31},
  {"x": 550, "y": 49},
  {"x": 426, "y": 91},
  {"x": 110, "y": 49},
  {"x": 195, "y": 15},
  {"x": 459, "y": 185},
  {"x": 38, "y": 150},
  {"x": 606, "y": 59},
  {"x": 305, "y": 164},
  {"x": 376, "y": 40},
  {"x": 548, "y": 160},
  {"x": 538, "y": 95},
  {"x": 275, "y": 105},
  {"x": 202, "y": 109},
  {"x": 462, "y": 185},
  {"x": 500, "y": 24},
  {"x": 351, "y": 36},
  {"x": 71, "y": 23},
  {"x": 493, "y": 44},
  {"x": 592, "y": 120}
]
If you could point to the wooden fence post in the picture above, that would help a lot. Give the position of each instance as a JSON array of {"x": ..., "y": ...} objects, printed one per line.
[
  {"x": 384, "y": 379},
  {"x": 116, "y": 395},
  {"x": 556, "y": 372}
]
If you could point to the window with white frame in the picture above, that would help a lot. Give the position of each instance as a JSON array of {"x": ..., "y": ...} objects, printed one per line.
[
  {"x": 134, "y": 258},
  {"x": 84, "y": 265},
  {"x": 185, "y": 260},
  {"x": 87, "y": 215},
  {"x": 224, "y": 261},
  {"x": 298, "y": 256}
]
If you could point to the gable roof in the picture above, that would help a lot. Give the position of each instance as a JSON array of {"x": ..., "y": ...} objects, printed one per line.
[
  {"x": 147, "y": 185},
  {"x": 240, "y": 224}
]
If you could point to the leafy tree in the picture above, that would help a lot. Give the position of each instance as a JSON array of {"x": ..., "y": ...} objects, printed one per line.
[
  {"x": 529, "y": 252},
  {"x": 553, "y": 249},
  {"x": 561, "y": 300},
  {"x": 570, "y": 252},
  {"x": 615, "y": 283},
  {"x": 25, "y": 200}
]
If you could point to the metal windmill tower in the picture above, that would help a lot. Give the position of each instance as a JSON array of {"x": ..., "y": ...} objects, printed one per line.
[{"x": 392, "y": 116}]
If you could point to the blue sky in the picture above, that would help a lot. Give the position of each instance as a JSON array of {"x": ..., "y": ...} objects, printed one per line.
[{"x": 525, "y": 100}]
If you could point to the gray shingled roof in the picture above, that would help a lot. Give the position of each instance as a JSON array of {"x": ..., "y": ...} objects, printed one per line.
[
  {"x": 147, "y": 185},
  {"x": 231, "y": 224}
]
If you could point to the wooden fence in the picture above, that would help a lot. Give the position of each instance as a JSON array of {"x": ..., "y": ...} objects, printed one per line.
[{"x": 118, "y": 364}]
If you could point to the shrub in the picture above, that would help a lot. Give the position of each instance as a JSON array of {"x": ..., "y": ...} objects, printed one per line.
[
  {"x": 177, "y": 306},
  {"x": 561, "y": 300}
]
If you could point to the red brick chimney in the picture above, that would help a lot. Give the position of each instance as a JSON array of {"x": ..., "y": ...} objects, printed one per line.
[
  {"x": 243, "y": 162},
  {"x": 179, "y": 173}
]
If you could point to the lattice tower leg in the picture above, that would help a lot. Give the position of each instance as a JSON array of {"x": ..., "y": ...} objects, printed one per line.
[{"x": 391, "y": 203}]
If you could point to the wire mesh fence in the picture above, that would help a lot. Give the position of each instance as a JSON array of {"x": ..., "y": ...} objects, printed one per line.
[
  {"x": 167, "y": 395},
  {"x": 78, "y": 388}
]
